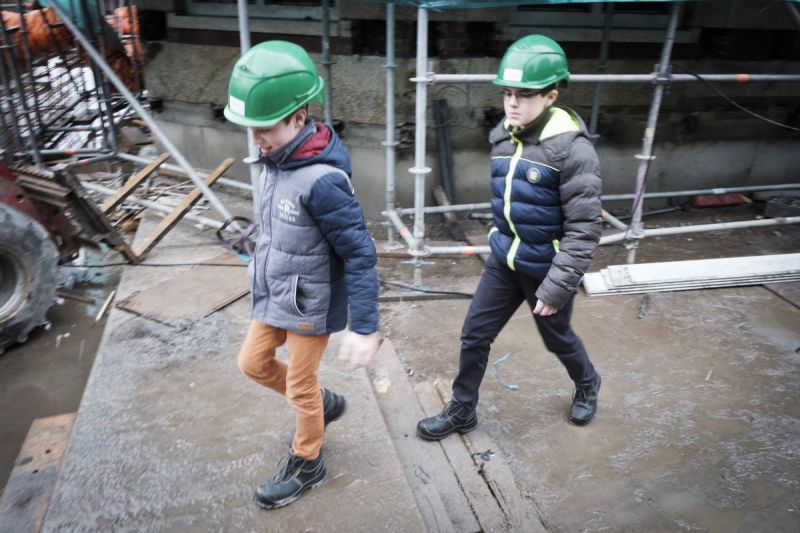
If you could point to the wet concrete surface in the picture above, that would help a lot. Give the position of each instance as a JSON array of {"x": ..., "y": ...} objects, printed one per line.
[
  {"x": 171, "y": 436},
  {"x": 699, "y": 423},
  {"x": 697, "y": 430},
  {"x": 46, "y": 375}
]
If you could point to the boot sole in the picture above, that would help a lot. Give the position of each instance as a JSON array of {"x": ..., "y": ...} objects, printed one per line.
[
  {"x": 291, "y": 499},
  {"x": 432, "y": 438},
  {"x": 579, "y": 422}
]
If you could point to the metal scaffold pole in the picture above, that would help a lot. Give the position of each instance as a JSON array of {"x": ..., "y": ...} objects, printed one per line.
[
  {"x": 602, "y": 63},
  {"x": 252, "y": 149},
  {"x": 327, "y": 62},
  {"x": 390, "y": 144},
  {"x": 419, "y": 169},
  {"x": 634, "y": 233}
]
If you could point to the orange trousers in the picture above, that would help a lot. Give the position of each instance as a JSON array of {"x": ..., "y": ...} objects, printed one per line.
[{"x": 298, "y": 381}]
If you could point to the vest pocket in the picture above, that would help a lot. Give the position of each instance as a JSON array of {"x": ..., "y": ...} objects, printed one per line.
[{"x": 296, "y": 296}]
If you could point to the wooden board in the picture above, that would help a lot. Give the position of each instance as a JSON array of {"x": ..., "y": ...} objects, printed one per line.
[
  {"x": 180, "y": 210},
  {"x": 486, "y": 509},
  {"x": 191, "y": 295},
  {"x": 520, "y": 513},
  {"x": 438, "y": 495},
  {"x": 126, "y": 190},
  {"x": 27, "y": 495}
]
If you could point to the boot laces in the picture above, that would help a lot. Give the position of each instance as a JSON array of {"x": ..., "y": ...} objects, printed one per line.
[
  {"x": 286, "y": 468},
  {"x": 453, "y": 408},
  {"x": 582, "y": 392}
]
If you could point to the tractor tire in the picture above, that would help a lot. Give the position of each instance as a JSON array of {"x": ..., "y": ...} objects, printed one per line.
[{"x": 28, "y": 275}]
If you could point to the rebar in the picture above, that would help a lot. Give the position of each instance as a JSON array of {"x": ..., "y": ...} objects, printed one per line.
[{"x": 148, "y": 120}]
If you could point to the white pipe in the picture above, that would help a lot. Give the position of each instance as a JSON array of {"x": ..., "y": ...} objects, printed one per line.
[
  {"x": 634, "y": 232},
  {"x": 432, "y": 77},
  {"x": 151, "y": 205},
  {"x": 174, "y": 168},
  {"x": 404, "y": 232},
  {"x": 618, "y": 237},
  {"x": 390, "y": 143},
  {"x": 420, "y": 170},
  {"x": 252, "y": 149},
  {"x": 326, "y": 61}
]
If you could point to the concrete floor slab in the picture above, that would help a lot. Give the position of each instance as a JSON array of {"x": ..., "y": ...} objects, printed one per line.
[
  {"x": 171, "y": 436},
  {"x": 699, "y": 420}
]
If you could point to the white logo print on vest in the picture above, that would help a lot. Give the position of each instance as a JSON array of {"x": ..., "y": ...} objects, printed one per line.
[{"x": 287, "y": 210}]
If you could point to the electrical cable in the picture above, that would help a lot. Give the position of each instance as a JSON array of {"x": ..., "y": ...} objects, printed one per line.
[
  {"x": 168, "y": 265},
  {"x": 735, "y": 104},
  {"x": 427, "y": 291}
]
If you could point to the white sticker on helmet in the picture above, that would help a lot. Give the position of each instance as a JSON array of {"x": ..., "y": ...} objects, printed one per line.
[
  {"x": 512, "y": 74},
  {"x": 237, "y": 106}
]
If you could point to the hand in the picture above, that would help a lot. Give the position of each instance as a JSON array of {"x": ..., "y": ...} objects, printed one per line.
[
  {"x": 542, "y": 309},
  {"x": 359, "y": 348}
]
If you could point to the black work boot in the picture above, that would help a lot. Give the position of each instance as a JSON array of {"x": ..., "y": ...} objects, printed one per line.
[
  {"x": 584, "y": 401},
  {"x": 333, "y": 408},
  {"x": 295, "y": 475},
  {"x": 454, "y": 417}
]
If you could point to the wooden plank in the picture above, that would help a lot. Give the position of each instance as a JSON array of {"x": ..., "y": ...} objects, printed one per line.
[
  {"x": 453, "y": 227},
  {"x": 112, "y": 202},
  {"x": 438, "y": 495},
  {"x": 27, "y": 495},
  {"x": 520, "y": 515},
  {"x": 789, "y": 291},
  {"x": 181, "y": 209},
  {"x": 167, "y": 301},
  {"x": 486, "y": 509}
]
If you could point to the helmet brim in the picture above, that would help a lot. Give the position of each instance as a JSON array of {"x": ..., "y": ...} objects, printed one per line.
[{"x": 247, "y": 122}]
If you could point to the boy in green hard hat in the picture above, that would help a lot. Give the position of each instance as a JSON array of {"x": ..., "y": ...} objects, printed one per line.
[
  {"x": 545, "y": 181},
  {"x": 314, "y": 262}
]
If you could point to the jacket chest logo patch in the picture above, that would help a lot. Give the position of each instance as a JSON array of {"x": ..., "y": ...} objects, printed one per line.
[
  {"x": 534, "y": 175},
  {"x": 287, "y": 210}
]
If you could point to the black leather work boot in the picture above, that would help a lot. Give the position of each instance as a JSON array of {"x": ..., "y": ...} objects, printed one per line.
[
  {"x": 584, "y": 401},
  {"x": 454, "y": 417},
  {"x": 333, "y": 408},
  {"x": 295, "y": 475}
]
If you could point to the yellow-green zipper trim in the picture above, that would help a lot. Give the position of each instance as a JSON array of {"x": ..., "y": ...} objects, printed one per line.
[{"x": 512, "y": 166}]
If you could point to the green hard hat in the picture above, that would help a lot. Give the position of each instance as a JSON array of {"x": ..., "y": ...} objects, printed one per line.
[
  {"x": 533, "y": 62},
  {"x": 270, "y": 81}
]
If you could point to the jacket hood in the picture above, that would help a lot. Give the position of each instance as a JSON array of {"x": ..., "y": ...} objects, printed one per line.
[{"x": 322, "y": 146}]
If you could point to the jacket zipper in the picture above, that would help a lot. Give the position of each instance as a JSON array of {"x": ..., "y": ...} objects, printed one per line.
[{"x": 512, "y": 167}]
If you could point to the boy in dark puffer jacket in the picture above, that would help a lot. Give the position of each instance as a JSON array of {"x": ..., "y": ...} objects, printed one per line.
[
  {"x": 547, "y": 221},
  {"x": 314, "y": 259}
]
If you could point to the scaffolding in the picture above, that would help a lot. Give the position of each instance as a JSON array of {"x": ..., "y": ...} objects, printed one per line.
[
  {"x": 67, "y": 88},
  {"x": 632, "y": 234}
]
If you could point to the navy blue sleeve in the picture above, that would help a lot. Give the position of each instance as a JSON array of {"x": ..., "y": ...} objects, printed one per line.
[{"x": 333, "y": 205}]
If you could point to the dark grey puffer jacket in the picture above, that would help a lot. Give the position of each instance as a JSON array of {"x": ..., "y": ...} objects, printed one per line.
[
  {"x": 546, "y": 202},
  {"x": 314, "y": 259}
]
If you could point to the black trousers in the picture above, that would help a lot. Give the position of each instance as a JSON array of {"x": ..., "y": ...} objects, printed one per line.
[{"x": 499, "y": 294}]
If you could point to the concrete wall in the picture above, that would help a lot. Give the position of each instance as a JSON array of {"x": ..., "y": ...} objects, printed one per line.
[
  {"x": 701, "y": 140},
  {"x": 206, "y": 141}
]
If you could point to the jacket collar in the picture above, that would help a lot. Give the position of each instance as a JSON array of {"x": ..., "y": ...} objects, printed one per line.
[
  {"x": 279, "y": 157},
  {"x": 551, "y": 123}
]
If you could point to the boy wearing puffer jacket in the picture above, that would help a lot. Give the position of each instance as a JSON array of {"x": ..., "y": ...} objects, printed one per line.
[
  {"x": 547, "y": 220},
  {"x": 314, "y": 260}
]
